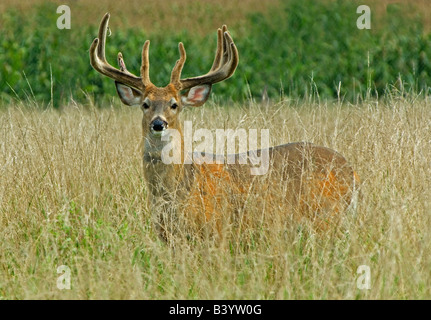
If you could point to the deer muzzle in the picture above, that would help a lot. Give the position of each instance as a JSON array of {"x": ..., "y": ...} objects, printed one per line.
[{"x": 158, "y": 126}]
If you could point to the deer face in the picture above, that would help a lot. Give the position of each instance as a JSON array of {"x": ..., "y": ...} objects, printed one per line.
[{"x": 161, "y": 106}]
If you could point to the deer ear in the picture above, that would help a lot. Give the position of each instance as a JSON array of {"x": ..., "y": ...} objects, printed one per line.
[
  {"x": 128, "y": 95},
  {"x": 196, "y": 96}
]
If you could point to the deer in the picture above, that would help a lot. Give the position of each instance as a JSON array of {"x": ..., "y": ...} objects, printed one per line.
[{"x": 311, "y": 181}]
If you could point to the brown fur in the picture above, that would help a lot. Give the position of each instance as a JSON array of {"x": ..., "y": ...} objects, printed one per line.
[{"x": 310, "y": 181}]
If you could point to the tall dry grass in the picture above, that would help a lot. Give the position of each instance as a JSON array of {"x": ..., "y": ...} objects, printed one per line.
[{"x": 72, "y": 193}]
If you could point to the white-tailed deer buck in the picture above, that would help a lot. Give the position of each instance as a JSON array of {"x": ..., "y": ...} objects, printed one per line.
[{"x": 304, "y": 180}]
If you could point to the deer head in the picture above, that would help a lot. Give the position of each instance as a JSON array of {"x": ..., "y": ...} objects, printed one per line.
[{"x": 162, "y": 105}]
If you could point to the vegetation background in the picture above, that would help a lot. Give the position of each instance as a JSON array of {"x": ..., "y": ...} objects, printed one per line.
[
  {"x": 289, "y": 47},
  {"x": 71, "y": 185}
]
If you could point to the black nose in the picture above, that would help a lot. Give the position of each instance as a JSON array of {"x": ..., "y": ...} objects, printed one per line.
[{"x": 158, "y": 124}]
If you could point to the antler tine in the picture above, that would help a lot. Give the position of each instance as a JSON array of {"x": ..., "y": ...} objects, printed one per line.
[
  {"x": 99, "y": 63},
  {"x": 122, "y": 64},
  {"x": 224, "y": 65},
  {"x": 219, "y": 51},
  {"x": 225, "y": 55},
  {"x": 145, "y": 67},
  {"x": 176, "y": 71},
  {"x": 233, "y": 57}
]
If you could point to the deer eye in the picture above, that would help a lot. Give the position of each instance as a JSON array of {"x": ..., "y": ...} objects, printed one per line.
[
  {"x": 145, "y": 105},
  {"x": 174, "y": 106}
]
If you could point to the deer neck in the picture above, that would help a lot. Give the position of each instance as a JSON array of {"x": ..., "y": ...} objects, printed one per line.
[{"x": 162, "y": 179}]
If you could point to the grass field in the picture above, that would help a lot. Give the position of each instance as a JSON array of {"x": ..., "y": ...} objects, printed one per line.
[
  {"x": 71, "y": 177},
  {"x": 72, "y": 193}
]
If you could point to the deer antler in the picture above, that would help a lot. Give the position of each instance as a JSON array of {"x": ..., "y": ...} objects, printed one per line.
[
  {"x": 224, "y": 65},
  {"x": 98, "y": 61}
]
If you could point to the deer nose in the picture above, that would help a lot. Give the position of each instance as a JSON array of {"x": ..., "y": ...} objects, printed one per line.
[{"x": 158, "y": 124}]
